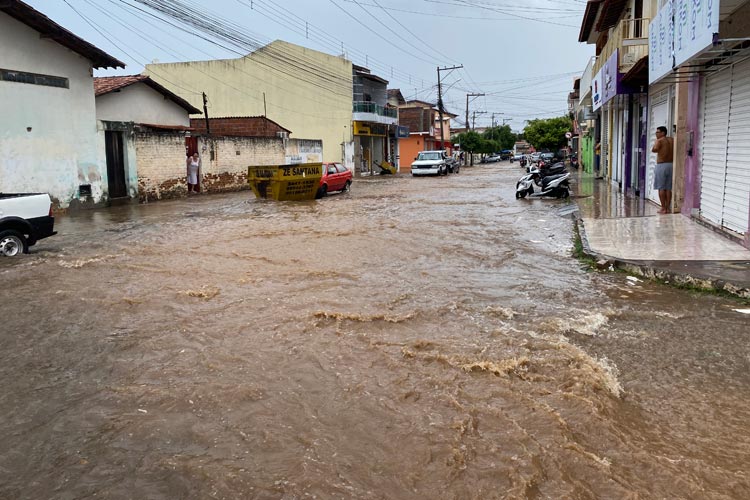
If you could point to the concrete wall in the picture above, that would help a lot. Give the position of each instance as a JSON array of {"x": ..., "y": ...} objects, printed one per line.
[
  {"x": 303, "y": 151},
  {"x": 129, "y": 151},
  {"x": 306, "y": 91},
  {"x": 139, "y": 103},
  {"x": 48, "y": 135}
]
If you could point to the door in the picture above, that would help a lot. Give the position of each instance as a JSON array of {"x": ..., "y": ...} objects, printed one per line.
[
  {"x": 736, "y": 206},
  {"x": 714, "y": 144},
  {"x": 659, "y": 117},
  {"x": 115, "y": 164}
]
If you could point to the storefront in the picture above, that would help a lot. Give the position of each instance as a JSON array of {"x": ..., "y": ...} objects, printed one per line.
[
  {"x": 370, "y": 146},
  {"x": 708, "y": 55}
]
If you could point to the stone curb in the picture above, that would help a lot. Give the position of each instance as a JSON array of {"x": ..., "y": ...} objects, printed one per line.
[{"x": 653, "y": 272}]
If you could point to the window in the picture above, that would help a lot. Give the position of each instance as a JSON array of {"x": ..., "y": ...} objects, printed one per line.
[
  {"x": 9, "y": 75},
  {"x": 342, "y": 169}
]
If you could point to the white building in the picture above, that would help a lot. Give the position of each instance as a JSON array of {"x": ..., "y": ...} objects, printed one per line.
[{"x": 48, "y": 134}]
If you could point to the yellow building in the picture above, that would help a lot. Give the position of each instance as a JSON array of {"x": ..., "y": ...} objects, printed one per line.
[{"x": 305, "y": 91}]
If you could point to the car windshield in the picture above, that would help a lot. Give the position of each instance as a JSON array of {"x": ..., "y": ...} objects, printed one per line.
[{"x": 429, "y": 156}]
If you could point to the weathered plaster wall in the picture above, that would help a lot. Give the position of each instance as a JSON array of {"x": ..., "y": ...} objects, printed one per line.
[
  {"x": 227, "y": 171},
  {"x": 129, "y": 151},
  {"x": 140, "y": 103},
  {"x": 303, "y": 151},
  {"x": 48, "y": 135},
  {"x": 316, "y": 104}
]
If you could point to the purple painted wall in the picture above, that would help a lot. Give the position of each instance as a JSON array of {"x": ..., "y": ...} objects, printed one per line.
[
  {"x": 692, "y": 161},
  {"x": 632, "y": 117}
]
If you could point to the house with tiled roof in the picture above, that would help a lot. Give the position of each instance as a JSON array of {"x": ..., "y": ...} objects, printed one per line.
[
  {"x": 48, "y": 134},
  {"x": 145, "y": 127}
]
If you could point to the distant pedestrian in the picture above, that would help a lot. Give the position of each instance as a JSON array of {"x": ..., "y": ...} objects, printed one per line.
[
  {"x": 194, "y": 173},
  {"x": 664, "y": 149},
  {"x": 597, "y": 156}
]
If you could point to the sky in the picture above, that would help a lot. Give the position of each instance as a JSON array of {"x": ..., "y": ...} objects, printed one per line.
[{"x": 522, "y": 55}]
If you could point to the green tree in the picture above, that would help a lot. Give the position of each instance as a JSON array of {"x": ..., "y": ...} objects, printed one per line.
[
  {"x": 503, "y": 135},
  {"x": 471, "y": 142},
  {"x": 548, "y": 133}
]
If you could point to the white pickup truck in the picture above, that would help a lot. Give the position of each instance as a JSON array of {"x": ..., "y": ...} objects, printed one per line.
[{"x": 24, "y": 219}]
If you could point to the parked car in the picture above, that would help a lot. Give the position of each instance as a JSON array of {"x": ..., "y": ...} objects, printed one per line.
[
  {"x": 430, "y": 163},
  {"x": 24, "y": 220},
  {"x": 547, "y": 157},
  {"x": 535, "y": 157},
  {"x": 336, "y": 177},
  {"x": 506, "y": 154},
  {"x": 518, "y": 156},
  {"x": 494, "y": 157}
]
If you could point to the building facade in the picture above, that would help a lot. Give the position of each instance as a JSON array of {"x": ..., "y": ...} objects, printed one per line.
[
  {"x": 48, "y": 134},
  {"x": 308, "y": 91}
]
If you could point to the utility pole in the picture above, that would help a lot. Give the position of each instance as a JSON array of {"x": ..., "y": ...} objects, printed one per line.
[
  {"x": 474, "y": 118},
  {"x": 440, "y": 100},
  {"x": 205, "y": 113},
  {"x": 493, "y": 118},
  {"x": 467, "y": 107}
]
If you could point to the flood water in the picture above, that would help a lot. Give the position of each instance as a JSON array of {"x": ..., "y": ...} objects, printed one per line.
[{"x": 415, "y": 338}]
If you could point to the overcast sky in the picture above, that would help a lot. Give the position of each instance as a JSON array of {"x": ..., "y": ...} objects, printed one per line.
[{"x": 523, "y": 55}]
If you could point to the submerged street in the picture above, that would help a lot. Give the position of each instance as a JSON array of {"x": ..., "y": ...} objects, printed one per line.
[{"x": 414, "y": 338}]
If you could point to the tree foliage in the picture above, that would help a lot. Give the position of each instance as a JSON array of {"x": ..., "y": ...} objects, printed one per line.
[
  {"x": 548, "y": 133},
  {"x": 470, "y": 141},
  {"x": 502, "y": 135}
]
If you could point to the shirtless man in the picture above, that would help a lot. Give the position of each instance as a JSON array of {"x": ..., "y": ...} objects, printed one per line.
[{"x": 664, "y": 148}]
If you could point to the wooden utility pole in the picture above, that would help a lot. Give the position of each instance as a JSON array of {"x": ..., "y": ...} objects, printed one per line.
[
  {"x": 440, "y": 101},
  {"x": 467, "y": 107},
  {"x": 205, "y": 113}
]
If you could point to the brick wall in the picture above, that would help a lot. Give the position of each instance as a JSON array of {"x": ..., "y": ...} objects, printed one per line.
[
  {"x": 161, "y": 163},
  {"x": 226, "y": 169},
  {"x": 160, "y": 159},
  {"x": 253, "y": 126}
]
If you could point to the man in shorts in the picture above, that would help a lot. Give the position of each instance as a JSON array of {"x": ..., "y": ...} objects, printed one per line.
[{"x": 664, "y": 149}]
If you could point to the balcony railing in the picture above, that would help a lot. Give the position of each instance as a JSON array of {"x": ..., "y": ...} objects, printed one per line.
[
  {"x": 371, "y": 107},
  {"x": 631, "y": 37}
]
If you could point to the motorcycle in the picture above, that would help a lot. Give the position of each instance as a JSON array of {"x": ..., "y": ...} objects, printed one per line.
[
  {"x": 523, "y": 161},
  {"x": 574, "y": 161},
  {"x": 556, "y": 185},
  {"x": 545, "y": 169}
]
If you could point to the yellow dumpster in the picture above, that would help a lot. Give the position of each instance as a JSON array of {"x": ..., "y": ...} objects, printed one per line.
[{"x": 285, "y": 182}]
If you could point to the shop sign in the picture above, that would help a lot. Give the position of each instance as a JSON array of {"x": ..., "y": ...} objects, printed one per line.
[
  {"x": 696, "y": 22},
  {"x": 661, "y": 43},
  {"x": 402, "y": 132},
  {"x": 373, "y": 129},
  {"x": 596, "y": 90}
]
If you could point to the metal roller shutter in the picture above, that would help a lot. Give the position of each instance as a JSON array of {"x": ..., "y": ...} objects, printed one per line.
[
  {"x": 736, "y": 207},
  {"x": 604, "y": 156},
  {"x": 714, "y": 144}
]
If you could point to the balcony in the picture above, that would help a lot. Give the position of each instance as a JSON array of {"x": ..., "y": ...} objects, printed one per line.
[
  {"x": 375, "y": 113},
  {"x": 631, "y": 37}
]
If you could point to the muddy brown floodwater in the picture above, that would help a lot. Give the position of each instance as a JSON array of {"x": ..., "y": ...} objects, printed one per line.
[{"x": 416, "y": 338}]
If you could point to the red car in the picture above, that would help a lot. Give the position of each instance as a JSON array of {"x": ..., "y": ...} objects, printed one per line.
[{"x": 336, "y": 177}]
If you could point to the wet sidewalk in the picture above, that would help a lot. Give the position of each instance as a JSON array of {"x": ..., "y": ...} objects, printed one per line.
[{"x": 629, "y": 234}]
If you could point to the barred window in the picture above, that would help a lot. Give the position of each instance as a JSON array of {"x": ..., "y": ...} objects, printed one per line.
[{"x": 9, "y": 75}]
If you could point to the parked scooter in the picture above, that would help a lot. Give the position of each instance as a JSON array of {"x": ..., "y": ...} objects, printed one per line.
[
  {"x": 546, "y": 169},
  {"x": 574, "y": 161},
  {"x": 556, "y": 186}
]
